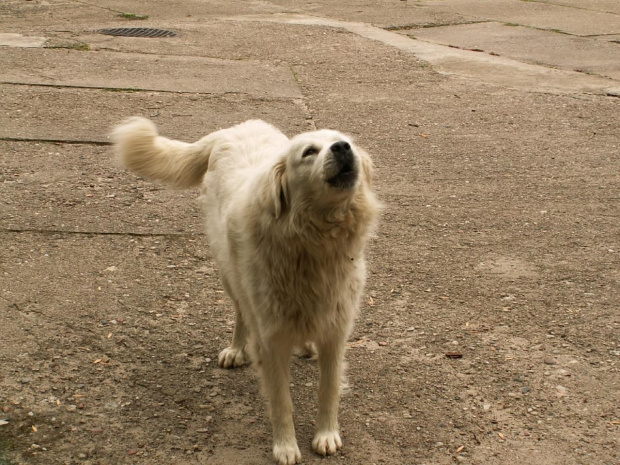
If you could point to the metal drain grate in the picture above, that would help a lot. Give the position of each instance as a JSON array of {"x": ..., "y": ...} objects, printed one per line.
[{"x": 137, "y": 32}]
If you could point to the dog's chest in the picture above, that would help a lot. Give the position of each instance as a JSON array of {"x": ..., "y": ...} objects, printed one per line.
[{"x": 309, "y": 292}]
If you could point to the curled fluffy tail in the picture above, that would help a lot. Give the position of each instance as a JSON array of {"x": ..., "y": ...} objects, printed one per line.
[{"x": 143, "y": 151}]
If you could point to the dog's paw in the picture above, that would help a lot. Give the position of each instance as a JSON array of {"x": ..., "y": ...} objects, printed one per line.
[
  {"x": 231, "y": 357},
  {"x": 326, "y": 442},
  {"x": 286, "y": 453}
]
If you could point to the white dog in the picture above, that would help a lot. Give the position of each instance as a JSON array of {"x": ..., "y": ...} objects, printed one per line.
[{"x": 287, "y": 221}]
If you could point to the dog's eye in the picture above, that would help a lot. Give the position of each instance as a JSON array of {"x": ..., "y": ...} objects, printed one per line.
[{"x": 309, "y": 151}]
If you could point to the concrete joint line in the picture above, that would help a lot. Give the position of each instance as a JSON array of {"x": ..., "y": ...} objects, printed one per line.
[
  {"x": 55, "y": 141},
  {"x": 563, "y": 5},
  {"x": 95, "y": 233},
  {"x": 450, "y": 61},
  {"x": 136, "y": 89}
]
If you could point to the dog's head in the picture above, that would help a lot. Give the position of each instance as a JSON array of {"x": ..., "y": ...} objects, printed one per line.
[{"x": 321, "y": 170}]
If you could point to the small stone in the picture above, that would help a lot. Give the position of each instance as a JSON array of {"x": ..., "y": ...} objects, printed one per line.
[
  {"x": 525, "y": 390},
  {"x": 550, "y": 361},
  {"x": 25, "y": 380},
  {"x": 132, "y": 451},
  {"x": 82, "y": 455}
]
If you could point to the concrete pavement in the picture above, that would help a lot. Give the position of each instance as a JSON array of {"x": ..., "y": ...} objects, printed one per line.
[{"x": 494, "y": 130}]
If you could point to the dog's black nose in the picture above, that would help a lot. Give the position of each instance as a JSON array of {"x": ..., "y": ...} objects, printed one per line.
[{"x": 342, "y": 151}]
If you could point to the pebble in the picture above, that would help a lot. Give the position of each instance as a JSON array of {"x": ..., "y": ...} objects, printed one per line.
[
  {"x": 550, "y": 361},
  {"x": 25, "y": 380},
  {"x": 525, "y": 390}
]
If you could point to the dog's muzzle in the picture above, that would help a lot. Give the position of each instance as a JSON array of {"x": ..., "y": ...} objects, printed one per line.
[{"x": 344, "y": 164}]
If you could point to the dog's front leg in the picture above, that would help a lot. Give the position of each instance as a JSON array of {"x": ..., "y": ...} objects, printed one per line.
[
  {"x": 275, "y": 358},
  {"x": 331, "y": 360}
]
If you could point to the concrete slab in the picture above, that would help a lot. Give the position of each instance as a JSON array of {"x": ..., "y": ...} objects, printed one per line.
[
  {"x": 79, "y": 179},
  {"x": 378, "y": 12},
  {"x": 150, "y": 72},
  {"x": 531, "y": 46},
  {"x": 606, "y": 6},
  {"x": 79, "y": 188},
  {"x": 18, "y": 40},
  {"x": 17, "y": 15},
  {"x": 527, "y": 13},
  {"x": 477, "y": 66},
  {"x": 27, "y": 111}
]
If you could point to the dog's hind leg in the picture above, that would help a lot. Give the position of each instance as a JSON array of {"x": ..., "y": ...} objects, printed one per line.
[
  {"x": 236, "y": 355},
  {"x": 275, "y": 374},
  {"x": 331, "y": 364}
]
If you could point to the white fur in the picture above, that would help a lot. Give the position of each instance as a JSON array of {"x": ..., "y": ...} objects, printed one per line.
[{"x": 289, "y": 246}]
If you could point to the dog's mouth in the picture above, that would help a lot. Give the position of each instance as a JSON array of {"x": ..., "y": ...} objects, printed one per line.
[{"x": 345, "y": 178}]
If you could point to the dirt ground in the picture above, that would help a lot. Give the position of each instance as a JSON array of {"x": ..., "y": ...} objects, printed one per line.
[{"x": 490, "y": 326}]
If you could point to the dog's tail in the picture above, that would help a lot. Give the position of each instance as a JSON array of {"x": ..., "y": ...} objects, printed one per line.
[{"x": 142, "y": 150}]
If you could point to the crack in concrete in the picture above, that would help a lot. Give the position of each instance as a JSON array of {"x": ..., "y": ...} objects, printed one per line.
[{"x": 405, "y": 27}]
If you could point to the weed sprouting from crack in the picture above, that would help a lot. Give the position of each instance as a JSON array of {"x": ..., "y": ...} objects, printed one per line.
[
  {"x": 82, "y": 47},
  {"x": 133, "y": 16}
]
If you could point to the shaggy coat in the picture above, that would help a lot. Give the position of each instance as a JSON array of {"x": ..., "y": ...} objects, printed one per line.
[{"x": 287, "y": 221}]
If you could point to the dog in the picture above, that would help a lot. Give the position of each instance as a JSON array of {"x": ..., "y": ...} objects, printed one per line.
[{"x": 287, "y": 221}]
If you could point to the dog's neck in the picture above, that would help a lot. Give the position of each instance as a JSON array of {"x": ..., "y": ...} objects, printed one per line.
[{"x": 342, "y": 228}]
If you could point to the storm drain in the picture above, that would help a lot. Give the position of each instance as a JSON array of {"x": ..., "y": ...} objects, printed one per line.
[{"x": 137, "y": 32}]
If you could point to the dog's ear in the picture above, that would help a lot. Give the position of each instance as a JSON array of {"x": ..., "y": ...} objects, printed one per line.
[{"x": 279, "y": 188}]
